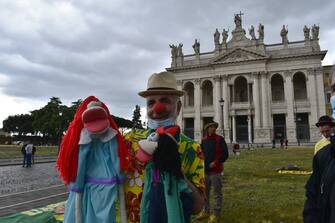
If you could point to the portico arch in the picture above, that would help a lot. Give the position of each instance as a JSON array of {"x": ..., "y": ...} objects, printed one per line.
[
  {"x": 240, "y": 89},
  {"x": 207, "y": 93},
  {"x": 277, "y": 88},
  {"x": 189, "y": 94},
  {"x": 299, "y": 86}
]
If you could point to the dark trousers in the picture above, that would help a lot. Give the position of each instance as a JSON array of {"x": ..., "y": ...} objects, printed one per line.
[
  {"x": 28, "y": 160},
  {"x": 24, "y": 160},
  {"x": 214, "y": 180}
]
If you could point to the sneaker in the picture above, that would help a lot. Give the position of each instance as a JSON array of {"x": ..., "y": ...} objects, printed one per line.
[
  {"x": 202, "y": 215},
  {"x": 213, "y": 219}
]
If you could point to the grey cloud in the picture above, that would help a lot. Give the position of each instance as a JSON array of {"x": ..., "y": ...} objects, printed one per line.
[{"x": 72, "y": 49}]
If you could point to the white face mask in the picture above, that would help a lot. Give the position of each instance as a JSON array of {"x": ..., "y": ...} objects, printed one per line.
[
  {"x": 332, "y": 102},
  {"x": 154, "y": 124}
]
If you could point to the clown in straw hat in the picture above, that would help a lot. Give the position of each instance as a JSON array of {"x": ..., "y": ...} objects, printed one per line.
[{"x": 150, "y": 157}]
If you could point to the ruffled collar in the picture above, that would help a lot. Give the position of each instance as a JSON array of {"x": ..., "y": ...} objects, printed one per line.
[{"x": 86, "y": 137}]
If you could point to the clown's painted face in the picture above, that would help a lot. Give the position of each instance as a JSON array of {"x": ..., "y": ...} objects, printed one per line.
[{"x": 161, "y": 107}]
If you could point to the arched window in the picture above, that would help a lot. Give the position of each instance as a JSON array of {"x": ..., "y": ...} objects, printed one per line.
[
  {"x": 207, "y": 93},
  {"x": 240, "y": 90},
  {"x": 189, "y": 94},
  {"x": 277, "y": 88},
  {"x": 299, "y": 85}
]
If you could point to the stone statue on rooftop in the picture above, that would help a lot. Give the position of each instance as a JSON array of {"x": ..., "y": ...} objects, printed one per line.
[
  {"x": 180, "y": 50},
  {"x": 261, "y": 31},
  {"x": 306, "y": 33},
  {"x": 252, "y": 32},
  {"x": 174, "y": 51},
  {"x": 283, "y": 34},
  {"x": 224, "y": 36},
  {"x": 315, "y": 32},
  {"x": 238, "y": 21},
  {"x": 196, "y": 47},
  {"x": 216, "y": 37}
]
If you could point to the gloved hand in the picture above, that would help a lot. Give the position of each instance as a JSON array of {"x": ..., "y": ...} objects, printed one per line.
[{"x": 147, "y": 147}]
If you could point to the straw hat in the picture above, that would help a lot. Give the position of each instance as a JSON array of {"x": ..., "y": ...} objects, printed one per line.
[
  {"x": 215, "y": 124},
  {"x": 162, "y": 83},
  {"x": 325, "y": 120}
]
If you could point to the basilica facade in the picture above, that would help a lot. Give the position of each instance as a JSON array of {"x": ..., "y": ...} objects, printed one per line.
[{"x": 257, "y": 92}]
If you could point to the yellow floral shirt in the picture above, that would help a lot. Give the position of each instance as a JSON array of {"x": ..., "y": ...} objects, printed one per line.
[{"x": 192, "y": 164}]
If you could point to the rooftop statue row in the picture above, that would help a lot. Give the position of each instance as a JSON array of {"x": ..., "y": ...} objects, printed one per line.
[
  {"x": 315, "y": 33},
  {"x": 239, "y": 38}
]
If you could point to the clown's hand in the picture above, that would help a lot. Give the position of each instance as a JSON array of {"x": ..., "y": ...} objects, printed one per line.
[
  {"x": 146, "y": 149},
  {"x": 153, "y": 137}
]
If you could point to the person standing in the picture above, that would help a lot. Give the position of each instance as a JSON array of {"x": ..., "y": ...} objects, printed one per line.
[
  {"x": 163, "y": 106},
  {"x": 29, "y": 151},
  {"x": 23, "y": 151},
  {"x": 215, "y": 151},
  {"x": 33, "y": 155},
  {"x": 320, "y": 188},
  {"x": 325, "y": 125}
]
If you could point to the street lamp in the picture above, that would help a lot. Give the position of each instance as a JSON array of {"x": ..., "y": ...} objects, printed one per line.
[
  {"x": 60, "y": 130},
  {"x": 296, "y": 122},
  {"x": 221, "y": 101}
]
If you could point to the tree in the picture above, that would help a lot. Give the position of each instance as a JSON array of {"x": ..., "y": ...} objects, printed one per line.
[
  {"x": 51, "y": 121},
  {"x": 19, "y": 124},
  {"x": 137, "y": 124}
]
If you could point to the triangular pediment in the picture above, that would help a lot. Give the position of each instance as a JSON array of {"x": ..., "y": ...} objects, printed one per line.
[{"x": 239, "y": 55}]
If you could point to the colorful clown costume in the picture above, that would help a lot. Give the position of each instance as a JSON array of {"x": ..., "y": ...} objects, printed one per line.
[
  {"x": 191, "y": 161},
  {"x": 97, "y": 179}
]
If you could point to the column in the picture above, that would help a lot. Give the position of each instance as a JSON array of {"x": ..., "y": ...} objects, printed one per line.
[
  {"x": 265, "y": 105},
  {"x": 216, "y": 104},
  {"x": 225, "y": 96},
  {"x": 234, "y": 128},
  {"x": 290, "y": 124},
  {"x": 257, "y": 109},
  {"x": 320, "y": 91},
  {"x": 180, "y": 116},
  {"x": 249, "y": 129},
  {"x": 313, "y": 101},
  {"x": 197, "y": 99}
]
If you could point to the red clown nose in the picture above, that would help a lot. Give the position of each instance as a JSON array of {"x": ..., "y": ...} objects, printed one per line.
[{"x": 159, "y": 108}]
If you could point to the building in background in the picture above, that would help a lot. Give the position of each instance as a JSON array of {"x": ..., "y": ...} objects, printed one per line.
[{"x": 256, "y": 91}]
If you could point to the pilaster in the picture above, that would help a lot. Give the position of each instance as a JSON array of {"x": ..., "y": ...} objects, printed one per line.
[
  {"x": 290, "y": 120},
  {"x": 197, "y": 119}
]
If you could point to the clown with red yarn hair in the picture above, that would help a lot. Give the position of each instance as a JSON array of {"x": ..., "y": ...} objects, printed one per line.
[{"x": 91, "y": 162}]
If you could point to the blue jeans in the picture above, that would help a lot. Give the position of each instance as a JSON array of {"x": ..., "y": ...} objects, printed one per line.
[{"x": 28, "y": 160}]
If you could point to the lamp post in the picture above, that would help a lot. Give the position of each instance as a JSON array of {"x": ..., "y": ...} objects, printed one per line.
[
  {"x": 60, "y": 114},
  {"x": 221, "y": 101},
  {"x": 296, "y": 122}
]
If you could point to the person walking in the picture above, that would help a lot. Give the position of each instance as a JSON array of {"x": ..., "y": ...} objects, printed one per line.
[
  {"x": 23, "y": 151},
  {"x": 29, "y": 151},
  {"x": 215, "y": 151}
]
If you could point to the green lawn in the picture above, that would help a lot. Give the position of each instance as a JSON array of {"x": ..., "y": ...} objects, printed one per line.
[
  {"x": 254, "y": 192},
  {"x": 9, "y": 151}
]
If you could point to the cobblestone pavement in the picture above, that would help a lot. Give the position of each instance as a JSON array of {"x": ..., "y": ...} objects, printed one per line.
[{"x": 15, "y": 179}]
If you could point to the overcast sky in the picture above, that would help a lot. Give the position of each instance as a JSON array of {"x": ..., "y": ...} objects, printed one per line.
[{"x": 108, "y": 48}]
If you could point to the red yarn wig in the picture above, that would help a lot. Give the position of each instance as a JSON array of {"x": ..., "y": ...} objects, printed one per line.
[{"x": 67, "y": 161}]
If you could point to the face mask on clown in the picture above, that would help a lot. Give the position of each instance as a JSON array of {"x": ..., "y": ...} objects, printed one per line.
[
  {"x": 332, "y": 102},
  {"x": 162, "y": 110}
]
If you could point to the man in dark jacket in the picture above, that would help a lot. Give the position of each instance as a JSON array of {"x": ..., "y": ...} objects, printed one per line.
[
  {"x": 215, "y": 151},
  {"x": 23, "y": 151},
  {"x": 320, "y": 187}
]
